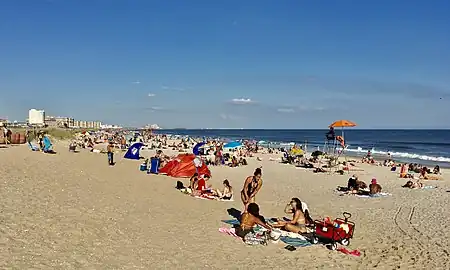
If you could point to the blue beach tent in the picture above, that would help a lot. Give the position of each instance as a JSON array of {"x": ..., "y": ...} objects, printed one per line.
[
  {"x": 197, "y": 147},
  {"x": 133, "y": 151}
]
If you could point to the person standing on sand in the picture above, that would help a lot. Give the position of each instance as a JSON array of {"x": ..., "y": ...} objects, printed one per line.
[
  {"x": 110, "y": 149},
  {"x": 252, "y": 186}
]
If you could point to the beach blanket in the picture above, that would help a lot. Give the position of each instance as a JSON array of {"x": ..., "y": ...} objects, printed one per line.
[
  {"x": 296, "y": 242},
  {"x": 382, "y": 194},
  {"x": 231, "y": 222},
  {"x": 229, "y": 231},
  {"x": 212, "y": 198},
  {"x": 33, "y": 147}
]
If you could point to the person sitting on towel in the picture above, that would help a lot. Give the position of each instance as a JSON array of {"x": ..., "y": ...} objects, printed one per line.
[
  {"x": 437, "y": 170},
  {"x": 374, "y": 187},
  {"x": 424, "y": 174},
  {"x": 289, "y": 210},
  {"x": 227, "y": 193},
  {"x": 298, "y": 222},
  {"x": 354, "y": 185},
  {"x": 193, "y": 181},
  {"x": 201, "y": 187},
  {"x": 249, "y": 219}
]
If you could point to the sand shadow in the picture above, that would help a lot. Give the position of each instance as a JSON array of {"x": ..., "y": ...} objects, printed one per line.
[
  {"x": 234, "y": 213},
  {"x": 51, "y": 152}
]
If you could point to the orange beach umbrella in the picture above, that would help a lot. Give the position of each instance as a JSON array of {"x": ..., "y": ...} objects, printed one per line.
[{"x": 342, "y": 124}]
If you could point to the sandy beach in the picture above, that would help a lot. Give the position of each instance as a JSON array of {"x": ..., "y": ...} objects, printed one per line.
[{"x": 72, "y": 211}]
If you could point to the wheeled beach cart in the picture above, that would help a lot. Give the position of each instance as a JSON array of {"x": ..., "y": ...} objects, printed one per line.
[{"x": 338, "y": 231}]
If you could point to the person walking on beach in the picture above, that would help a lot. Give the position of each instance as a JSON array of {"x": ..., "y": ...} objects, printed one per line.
[
  {"x": 110, "y": 149},
  {"x": 252, "y": 186},
  {"x": 6, "y": 134}
]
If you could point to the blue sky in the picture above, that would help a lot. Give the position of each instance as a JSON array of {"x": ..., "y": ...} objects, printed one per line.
[{"x": 228, "y": 64}]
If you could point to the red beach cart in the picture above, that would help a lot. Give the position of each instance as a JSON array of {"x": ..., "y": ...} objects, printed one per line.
[{"x": 338, "y": 231}]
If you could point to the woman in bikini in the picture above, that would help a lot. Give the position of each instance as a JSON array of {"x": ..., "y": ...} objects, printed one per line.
[
  {"x": 251, "y": 187},
  {"x": 426, "y": 176},
  {"x": 227, "y": 193},
  {"x": 298, "y": 222},
  {"x": 249, "y": 219}
]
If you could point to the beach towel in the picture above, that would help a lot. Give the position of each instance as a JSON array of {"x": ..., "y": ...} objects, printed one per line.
[
  {"x": 348, "y": 252},
  {"x": 378, "y": 195},
  {"x": 33, "y": 147},
  {"x": 296, "y": 242},
  {"x": 212, "y": 198},
  {"x": 231, "y": 221},
  {"x": 229, "y": 231}
]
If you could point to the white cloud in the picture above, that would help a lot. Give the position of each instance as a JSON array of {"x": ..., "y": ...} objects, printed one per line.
[
  {"x": 156, "y": 108},
  {"x": 164, "y": 87},
  {"x": 286, "y": 110},
  {"x": 136, "y": 82},
  {"x": 242, "y": 101},
  {"x": 231, "y": 117},
  {"x": 151, "y": 94}
]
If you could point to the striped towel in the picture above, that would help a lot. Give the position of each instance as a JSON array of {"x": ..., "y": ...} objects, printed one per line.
[
  {"x": 229, "y": 231},
  {"x": 296, "y": 242}
]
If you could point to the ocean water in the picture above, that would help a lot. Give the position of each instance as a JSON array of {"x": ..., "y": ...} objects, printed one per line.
[{"x": 428, "y": 147}]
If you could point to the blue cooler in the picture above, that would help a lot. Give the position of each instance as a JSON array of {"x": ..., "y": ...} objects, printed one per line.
[
  {"x": 154, "y": 166},
  {"x": 143, "y": 167}
]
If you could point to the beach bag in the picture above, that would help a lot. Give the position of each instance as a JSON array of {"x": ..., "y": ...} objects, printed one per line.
[
  {"x": 256, "y": 238},
  {"x": 154, "y": 166}
]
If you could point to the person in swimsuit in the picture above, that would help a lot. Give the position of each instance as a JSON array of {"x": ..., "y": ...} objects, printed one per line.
[
  {"x": 249, "y": 219},
  {"x": 412, "y": 185},
  {"x": 298, "y": 222},
  {"x": 193, "y": 181},
  {"x": 251, "y": 187},
  {"x": 227, "y": 193}
]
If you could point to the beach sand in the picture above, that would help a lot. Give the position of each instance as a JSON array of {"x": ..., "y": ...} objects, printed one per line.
[{"x": 72, "y": 211}]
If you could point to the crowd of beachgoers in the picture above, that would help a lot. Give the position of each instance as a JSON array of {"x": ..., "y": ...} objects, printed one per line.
[
  {"x": 302, "y": 227},
  {"x": 214, "y": 153}
]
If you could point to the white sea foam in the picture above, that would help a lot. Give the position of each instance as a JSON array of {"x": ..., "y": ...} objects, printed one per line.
[{"x": 400, "y": 155}]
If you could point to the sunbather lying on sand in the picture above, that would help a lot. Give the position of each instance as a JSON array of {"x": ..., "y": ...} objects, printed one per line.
[
  {"x": 298, "y": 222},
  {"x": 249, "y": 219},
  {"x": 412, "y": 185}
]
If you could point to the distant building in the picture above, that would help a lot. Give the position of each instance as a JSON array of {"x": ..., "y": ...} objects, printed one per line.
[
  {"x": 36, "y": 117},
  {"x": 59, "y": 121}
]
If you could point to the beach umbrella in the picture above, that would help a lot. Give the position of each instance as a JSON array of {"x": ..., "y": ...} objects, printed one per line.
[
  {"x": 342, "y": 124},
  {"x": 233, "y": 145},
  {"x": 197, "y": 147}
]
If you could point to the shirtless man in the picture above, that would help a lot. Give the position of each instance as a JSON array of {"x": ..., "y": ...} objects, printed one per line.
[
  {"x": 374, "y": 187},
  {"x": 251, "y": 187}
]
